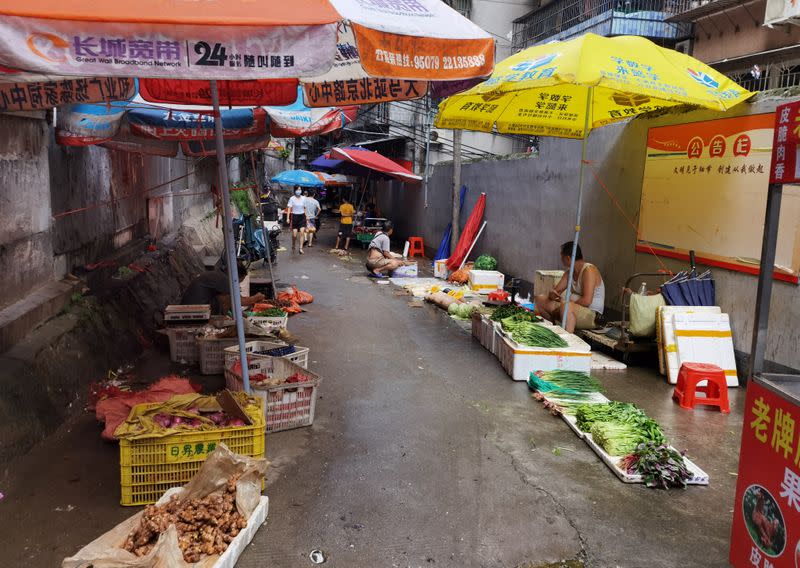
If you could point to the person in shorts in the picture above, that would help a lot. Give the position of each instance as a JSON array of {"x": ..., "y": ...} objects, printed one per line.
[
  {"x": 346, "y": 211},
  {"x": 380, "y": 260},
  {"x": 296, "y": 209},
  {"x": 587, "y": 300},
  {"x": 313, "y": 210}
]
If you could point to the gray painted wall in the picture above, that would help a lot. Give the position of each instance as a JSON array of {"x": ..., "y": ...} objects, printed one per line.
[{"x": 530, "y": 211}]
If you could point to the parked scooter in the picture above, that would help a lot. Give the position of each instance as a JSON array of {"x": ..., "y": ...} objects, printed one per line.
[{"x": 251, "y": 244}]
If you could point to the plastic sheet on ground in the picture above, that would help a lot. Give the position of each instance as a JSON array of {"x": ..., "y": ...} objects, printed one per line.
[{"x": 114, "y": 411}]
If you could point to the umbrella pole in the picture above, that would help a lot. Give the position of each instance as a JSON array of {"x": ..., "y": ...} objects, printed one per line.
[
  {"x": 584, "y": 143},
  {"x": 227, "y": 229}
]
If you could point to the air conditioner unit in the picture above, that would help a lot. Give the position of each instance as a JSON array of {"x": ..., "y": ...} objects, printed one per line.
[{"x": 684, "y": 47}]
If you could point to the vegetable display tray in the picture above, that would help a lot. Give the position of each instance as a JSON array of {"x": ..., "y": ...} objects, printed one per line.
[
  {"x": 150, "y": 466},
  {"x": 255, "y": 350},
  {"x": 287, "y": 405}
]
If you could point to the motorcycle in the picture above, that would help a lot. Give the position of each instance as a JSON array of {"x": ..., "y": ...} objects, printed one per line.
[{"x": 251, "y": 244}]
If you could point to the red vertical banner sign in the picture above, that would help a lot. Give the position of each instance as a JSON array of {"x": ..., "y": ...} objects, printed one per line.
[
  {"x": 766, "y": 513},
  {"x": 784, "y": 167}
]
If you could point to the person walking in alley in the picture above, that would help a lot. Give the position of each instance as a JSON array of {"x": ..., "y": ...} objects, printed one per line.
[
  {"x": 313, "y": 210},
  {"x": 296, "y": 209},
  {"x": 588, "y": 297},
  {"x": 346, "y": 211}
]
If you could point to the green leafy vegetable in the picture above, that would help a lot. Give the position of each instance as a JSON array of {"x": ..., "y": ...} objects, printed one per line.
[
  {"x": 485, "y": 262},
  {"x": 270, "y": 313},
  {"x": 610, "y": 412},
  {"x": 461, "y": 311},
  {"x": 502, "y": 312},
  {"x": 659, "y": 465}
]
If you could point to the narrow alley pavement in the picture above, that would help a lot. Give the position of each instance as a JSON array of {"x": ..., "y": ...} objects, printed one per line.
[{"x": 423, "y": 452}]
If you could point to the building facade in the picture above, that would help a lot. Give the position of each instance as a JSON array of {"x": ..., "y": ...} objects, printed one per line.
[{"x": 730, "y": 35}]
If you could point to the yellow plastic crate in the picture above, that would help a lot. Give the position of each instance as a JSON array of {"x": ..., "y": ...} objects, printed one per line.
[{"x": 150, "y": 466}]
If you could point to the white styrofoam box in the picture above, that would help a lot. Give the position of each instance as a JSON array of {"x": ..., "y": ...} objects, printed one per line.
[
  {"x": 485, "y": 281},
  {"x": 440, "y": 269},
  {"x": 519, "y": 361},
  {"x": 670, "y": 348},
  {"x": 409, "y": 271},
  {"x": 706, "y": 338},
  {"x": 484, "y": 327},
  {"x": 698, "y": 476},
  {"x": 546, "y": 280}
]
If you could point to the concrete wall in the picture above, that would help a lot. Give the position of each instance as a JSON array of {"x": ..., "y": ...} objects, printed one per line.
[
  {"x": 64, "y": 207},
  {"x": 530, "y": 211},
  {"x": 26, "y": 248}
]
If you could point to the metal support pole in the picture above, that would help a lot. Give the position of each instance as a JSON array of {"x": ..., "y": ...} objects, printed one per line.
[
  {"x": 227, "y": 229},
  {"x": 584, "y": 143},
  {"x": 456, "y": 225},
  {"x": 429, "y": 117},
  {"x": 765, "y": 279}
]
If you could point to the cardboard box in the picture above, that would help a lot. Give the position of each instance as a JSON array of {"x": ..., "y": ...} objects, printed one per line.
[{"x": 485, "y": 281}]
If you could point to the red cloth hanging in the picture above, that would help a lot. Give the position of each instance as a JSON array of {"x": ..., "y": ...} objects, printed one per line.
[{"x": 468, "y": 234}]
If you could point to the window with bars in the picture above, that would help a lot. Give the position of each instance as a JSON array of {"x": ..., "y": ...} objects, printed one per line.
[
  {"x": 564, "y": 19},
  {"x": 464, "y": 7}
]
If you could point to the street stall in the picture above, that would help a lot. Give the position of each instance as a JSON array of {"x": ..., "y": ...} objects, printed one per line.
[
  {"x": 766, "y": 512},
  {"x": 566, "y": 89}
]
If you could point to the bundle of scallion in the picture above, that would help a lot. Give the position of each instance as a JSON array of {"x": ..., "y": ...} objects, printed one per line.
[
  {"x": 566, "y": 382},
  {"x": 535, "y": 335}
]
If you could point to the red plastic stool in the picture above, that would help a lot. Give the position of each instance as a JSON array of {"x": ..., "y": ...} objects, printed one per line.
[
  {"x": 416, "y": 246},
  {"x": 715, "y": 390}
]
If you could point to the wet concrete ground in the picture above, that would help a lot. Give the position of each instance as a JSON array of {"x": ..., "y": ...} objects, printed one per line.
[{"x": 423, "y": 452}]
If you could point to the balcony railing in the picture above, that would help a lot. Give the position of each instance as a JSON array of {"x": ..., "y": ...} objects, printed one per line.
[
  {"x": 772, "y": 78},
  {"x": 464, "y": 7},
  {"x": 564, "y": 19}
]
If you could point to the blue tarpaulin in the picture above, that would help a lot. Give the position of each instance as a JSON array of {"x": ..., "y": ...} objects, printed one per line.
[{"x": 444, "y": 247}]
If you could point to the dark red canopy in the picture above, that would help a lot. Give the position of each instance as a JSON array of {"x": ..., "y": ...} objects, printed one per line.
[{"x": 374, "y": 161}]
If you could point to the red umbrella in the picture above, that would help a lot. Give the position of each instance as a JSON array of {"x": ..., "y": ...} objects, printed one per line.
[
  {"x": 374, "y": 161},
  {"x": 468, "y": 234}
]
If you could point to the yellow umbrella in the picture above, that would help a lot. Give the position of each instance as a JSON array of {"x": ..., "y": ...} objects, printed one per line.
[{"x": 567, "y": 88}]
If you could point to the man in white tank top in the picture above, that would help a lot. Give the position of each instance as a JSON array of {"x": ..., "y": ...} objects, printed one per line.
[{"x": 588, "y": 296}]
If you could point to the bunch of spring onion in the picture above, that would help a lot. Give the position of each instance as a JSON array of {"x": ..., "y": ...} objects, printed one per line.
[
  {"x": 535, "y": 335},
  {"x": 573, "y": 383}
]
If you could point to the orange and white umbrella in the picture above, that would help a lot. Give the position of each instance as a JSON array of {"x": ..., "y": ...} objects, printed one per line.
[{"x": 240, "y": 39}]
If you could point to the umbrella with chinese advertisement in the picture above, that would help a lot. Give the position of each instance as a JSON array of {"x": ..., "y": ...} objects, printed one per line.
[
  {"x": 375, "y": 162},
  {"x": 299, "y": 120},
  {"x": 238, "y": 40},
  {"x": 567, "y": 88}
]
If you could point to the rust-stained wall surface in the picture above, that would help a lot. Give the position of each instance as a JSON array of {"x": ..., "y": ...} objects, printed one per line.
[{"x": 68, "y": 206}]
